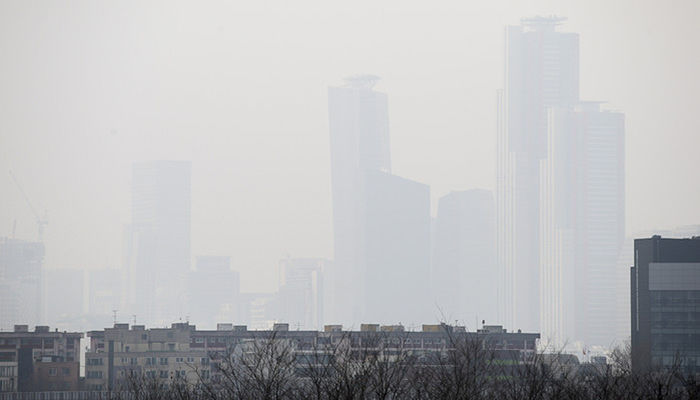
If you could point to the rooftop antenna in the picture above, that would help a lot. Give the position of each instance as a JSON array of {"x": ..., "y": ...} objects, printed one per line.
[
  {"x": 114, "y": 315},
  {"x": 134, "y": 316}
]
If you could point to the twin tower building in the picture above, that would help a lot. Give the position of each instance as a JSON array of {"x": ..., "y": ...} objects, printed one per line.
[{"x": 540, "y": 255}]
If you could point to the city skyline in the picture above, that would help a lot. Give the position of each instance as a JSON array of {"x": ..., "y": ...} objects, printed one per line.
[{"x": 442, "y": 119}]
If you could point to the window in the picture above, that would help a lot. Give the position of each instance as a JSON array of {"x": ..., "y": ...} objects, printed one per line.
[
  {"x": 179, "y": 359},
  {"x": 144, "y": 337},
  {"x": 126, "y": 349},
  {"x": 94, "y": 361},
  {"x": 65, "y": 371},
  {"x": 94, "y": 374},
  {"x": 52, "y": 371},
  {"x": 171, "y": 346},
  {"x": 205, "y": 374},
  {"x": 190, "y": 359},
  {"x": 163, "y": 361},
  {"x": 163, "y": 374},
  {"x": 205, "y": 361},
  {"x": 134, "y": 361}
]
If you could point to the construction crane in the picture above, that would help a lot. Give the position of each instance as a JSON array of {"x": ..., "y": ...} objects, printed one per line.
[{"x": 40, "y": 222}]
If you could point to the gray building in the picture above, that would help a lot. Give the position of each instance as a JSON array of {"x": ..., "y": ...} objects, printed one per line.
[
  {"x": 302, "y": 291},
  {"x": 381, "y": 224},
  {"x": 21, "y": 270},
  {"x": 464, "y": 257},
  {"x": 214, "y": 291},
  {"x": 541, "y": 71},
  {"x": 582, "y": 223},
  {"x": 665, "y": 303},
  {"x": 397, "y": 250},
  {"x": 158, "y": 262}
]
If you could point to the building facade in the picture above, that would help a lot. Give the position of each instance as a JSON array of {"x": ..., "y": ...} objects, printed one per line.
[
  {"x": 214, "y": 291},
  {"x": 464, "y": 257},
  {"x": 184, "y": 353},
  {"x": 541, "y": 71},
  {"x": 582, "y": 223},
  {"x": 21, "y": 271},
  {"x": 159, "y": 261},
  {"x": 665, "y": 303},
  {"x": 39, "y": 360}
]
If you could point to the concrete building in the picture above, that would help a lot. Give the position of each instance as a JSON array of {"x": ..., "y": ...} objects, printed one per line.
[
  {"x": 582, "y": 223},
  {"x": 541, "y": 71},
  {"x": 183, "y": 352},
  {"x": 214, "y": 291},
  {"x": 39, "y": 360},
  {"x": 302, "y": 288},
  {"x": 21, "y": 270},
  {"x": 665, "y": 298},
  {"x": 158, "y": 262},
  {"x": 464, "y": 257}
]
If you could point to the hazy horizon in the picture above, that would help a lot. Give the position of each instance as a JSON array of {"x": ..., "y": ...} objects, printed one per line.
[{"x": 241, "y": 91}]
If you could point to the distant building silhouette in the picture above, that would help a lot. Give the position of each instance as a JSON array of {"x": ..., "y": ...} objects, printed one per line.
[
  {"x": 21, "y": 270},
  {"x": 464, "y": 257},
  {"x": 159, "y": 259},
  {"x": 665, "y": 294},
  {"x": 214, "y": 291},
  {"x": 582, "y": 223},
  {"x": 397, "y": 250},
  {"x": 64, "y": 292},
  {"x": 302, "y": 289},
  {"x": 362, "y": 185},
  {"x": 541, "y": 71}
]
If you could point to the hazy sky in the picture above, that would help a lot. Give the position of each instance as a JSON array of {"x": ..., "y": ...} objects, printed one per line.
[{"x": 240, "y": 89}]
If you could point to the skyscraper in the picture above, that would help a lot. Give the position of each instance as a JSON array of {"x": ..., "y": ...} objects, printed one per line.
[
  {"x": 381, "y": 222},
  {"x": 160, "y": 240},
  {"x": 359, "y": 141},
  {"x": 582, "y": 223},
  {"x": 396, "y": 249},
  {"x": 464, "y": 257},
  {"x": 541, "y": 71}
]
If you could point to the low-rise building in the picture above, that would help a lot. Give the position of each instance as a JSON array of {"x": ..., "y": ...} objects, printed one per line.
[
  {"x": 183, "y": 352},
  {"x": 30, "y": 361}
]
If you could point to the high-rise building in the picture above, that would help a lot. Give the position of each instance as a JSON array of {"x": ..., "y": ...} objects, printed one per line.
[
  {"x": 541, "y": 71},
  {"x": 159, "y": 262},
  {"x": 359, "y": 141},
  {"x": 582, "y": 223},
  {"x": 104, "y": 291},
  {"x": 214, "y": 291},
  {"x": 366, "y": 197},
  {"x": 397, "y": 250},
  {"x": 21, "y": 265},
  {"x": 665, "y": 298},
  {"x": 464, "y": 257},
  {"x": 301, "y": 292}
]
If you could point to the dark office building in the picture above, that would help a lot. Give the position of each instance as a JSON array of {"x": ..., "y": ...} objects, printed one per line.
[{"x": 666, "y": 303}]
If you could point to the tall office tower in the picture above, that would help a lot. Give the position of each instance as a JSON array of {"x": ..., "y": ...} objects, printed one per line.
[
  {"x": 214, "y": 291},
  {"x": 160, "y": 240},
  {"x": 541, "y": 71},
  {"x": 397, "y": 250},
  {"x": 665, "y": 295},
  {"x": 464, "y": 257},
  {"x": 624, "y": 262},
  {"x": 21, "y": 265},
  {"x": 359, "y": 142},
  {"x": 301, "y": 292},
  {"x": 582, "y": 223}
]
